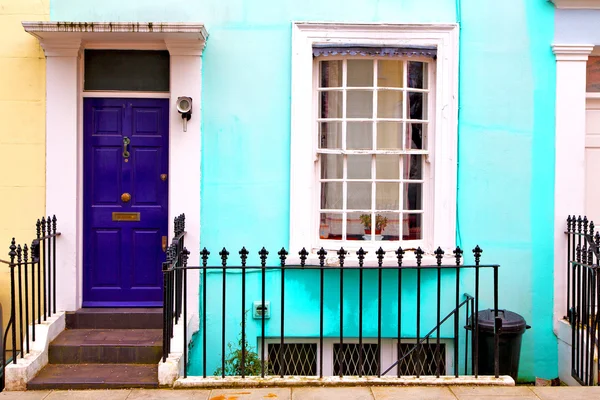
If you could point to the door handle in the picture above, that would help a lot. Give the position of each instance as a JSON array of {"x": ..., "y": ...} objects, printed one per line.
[
  {"x": 126, "y": 142},
  {"x": 164, "y": 244}
]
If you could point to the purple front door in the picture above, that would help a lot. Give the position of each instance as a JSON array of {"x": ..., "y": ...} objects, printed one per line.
[{"x": 125, "y": 201}]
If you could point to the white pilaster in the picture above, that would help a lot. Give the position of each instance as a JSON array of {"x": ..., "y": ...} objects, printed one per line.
[
  {"x": 185, "y": 156},
  {"x": 61, "y": 162},
  {"x": 569, "y": 184}
]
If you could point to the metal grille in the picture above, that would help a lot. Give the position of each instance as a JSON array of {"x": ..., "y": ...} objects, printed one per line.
[
  {"x": 352, "y": 361},
  {"x": 299, "y": 359},
  {"x": 422, "y": 360}
]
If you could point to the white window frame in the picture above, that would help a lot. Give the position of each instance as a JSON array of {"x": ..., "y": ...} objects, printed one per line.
[
  {"x": 440, "y": 226},
  {"x": 388, "y": 353}
]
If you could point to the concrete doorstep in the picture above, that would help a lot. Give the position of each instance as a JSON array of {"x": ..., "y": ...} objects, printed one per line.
[{"x": 344, "y": 393}]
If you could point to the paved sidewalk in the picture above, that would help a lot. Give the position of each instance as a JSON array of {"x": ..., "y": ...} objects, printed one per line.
[{"x": 345, "y": 393}]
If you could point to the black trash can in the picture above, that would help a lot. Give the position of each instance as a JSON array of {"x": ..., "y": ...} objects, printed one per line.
[{"x": 513, "y": 327}]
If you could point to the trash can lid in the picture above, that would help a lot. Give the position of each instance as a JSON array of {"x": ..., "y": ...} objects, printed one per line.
[{"x": 511, "y": 322}]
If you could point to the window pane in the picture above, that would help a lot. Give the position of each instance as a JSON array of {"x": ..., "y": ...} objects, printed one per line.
[
  {"x": 332, "y": 166},
  {"x": 359, "y": 135},
  {"x": 330, "y": 104},
  {"x": 330, "y": 135},
  {"x": 331, "y": 195},
  {"x": 389, "y": 104},
  {"x": 387, "y": 195},
  {"x": 412, "y": 227},
  {"x": 390, "y": 73},
  {"x": 134, "y": 70},
  {"x": 389, "y": 135},
  {"x": 412, "y": 196},
  {"x": 417, "y": 75},
  {"x": 413, "y": 167},
  {"x": 360, "y": 104},
  {"x": 387, "y": 166},
  {"x": 416, "y": 136},
  {"x": 331, "y": 74},
  {"x": 417, "y": 105},
  {"x": 359, "y": 195},
  {"x": 391, "y": 225},
  {"x": 330, "y": 226},
  {"x": 359, "y": 166},
  {"x": 360, "y": 73},
  {"x": 354, "y": 227}
]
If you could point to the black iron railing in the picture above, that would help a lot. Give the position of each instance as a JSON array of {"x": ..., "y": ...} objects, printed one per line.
[
  {"x": 32, "y": 289},
  {"x": 583, "y": 288},
  {"x": 174, "y": 283},
  {"x": 276, "y": 363}
]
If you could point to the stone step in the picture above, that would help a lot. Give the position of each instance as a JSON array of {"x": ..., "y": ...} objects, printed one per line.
[
  {"x": 95, "y": 376},
  {"x": 102, "y": 346},
  {"x": 115, "y": 318}
]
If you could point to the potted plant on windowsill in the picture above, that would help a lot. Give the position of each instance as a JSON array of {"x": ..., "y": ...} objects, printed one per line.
[{"x": 380, "y": 223}]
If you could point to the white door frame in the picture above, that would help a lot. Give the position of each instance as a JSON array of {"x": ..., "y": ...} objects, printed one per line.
[{"x": 63, "y": 44}]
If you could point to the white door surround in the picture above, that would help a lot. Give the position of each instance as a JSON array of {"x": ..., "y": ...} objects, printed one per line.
[
  {"x": 569, "y": 179},
  {"x": 63, "y": 44}
]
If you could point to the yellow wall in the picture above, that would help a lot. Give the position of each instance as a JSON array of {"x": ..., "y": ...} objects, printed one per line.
[{"x": 22, "y": 130}]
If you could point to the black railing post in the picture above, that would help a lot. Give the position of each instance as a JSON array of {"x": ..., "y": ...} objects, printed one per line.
[
  {"x": 204, "y": 255},
  {"x": 26, "y": 257},
  {"x": 439, "y": 253},
  {"x": 263, "y": 253},
  {"x": 419, "y": 256},
  {"x": 457, "y": 256},
  {"x": 342, "y": 356},
  {"x": 380, "y": 254},
  {"x": 321, "y": 253},
  {"x": 244, "y": 257},
  {"x": 12, "y": 255},
  {"x": 223, "y": 253},
  {"x": 44, "y": 272},
  {"x": 39, "y": 273},
  {"x": 282, "y": 256},
  {"x": 569, "y": 235},
  {"x": 361, "y": 259},
  {"x": 185, "y": 255},
  {"x": 399, "y": 256},
  {"x": 19, "y": 264},
  {"x": 53, "y": 241},
  {"x": 477, "y": 252},
  {"x": 497, "y": 327}
]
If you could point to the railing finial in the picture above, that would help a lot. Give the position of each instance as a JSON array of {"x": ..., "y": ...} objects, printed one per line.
[
  {"x": 399, "y": 255},
  {"x": 380, "y": 254},
  {"x": 477, "y": 253},
  {"x": 439, "y": 253},
  {"x": 282, "y": 256},
  {"x": 204, "y": 255},
  {"x": 12, "y": 252},
  {"x": 321, "y": 253},
  {"x": 342, "y": 255},
  {"x": 458, "y": 254},
  {"x": 244, "y": 255},
  {"x": 361, "y": 256},
  {"x": 419, "y": 255},
  {"x": 303, "y": 255},
  {"x": 224, "y": 254},
  {"x": 263, "y": 253}
]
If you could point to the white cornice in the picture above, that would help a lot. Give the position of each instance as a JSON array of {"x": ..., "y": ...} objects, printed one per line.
[
  {"x": 577, "y": 4},
  {"x": 61, "y": 38},
  {"x": 572, "y": 52}
]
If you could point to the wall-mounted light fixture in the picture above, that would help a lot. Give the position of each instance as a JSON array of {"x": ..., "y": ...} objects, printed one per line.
[{"x": 184, "y": 107}]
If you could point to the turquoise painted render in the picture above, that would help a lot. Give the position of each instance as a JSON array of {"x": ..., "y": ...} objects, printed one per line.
[{"x": 506, "y": 141}]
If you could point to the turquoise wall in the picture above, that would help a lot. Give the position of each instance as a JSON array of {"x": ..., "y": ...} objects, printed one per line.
[{"x": 506, "y": 131}]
